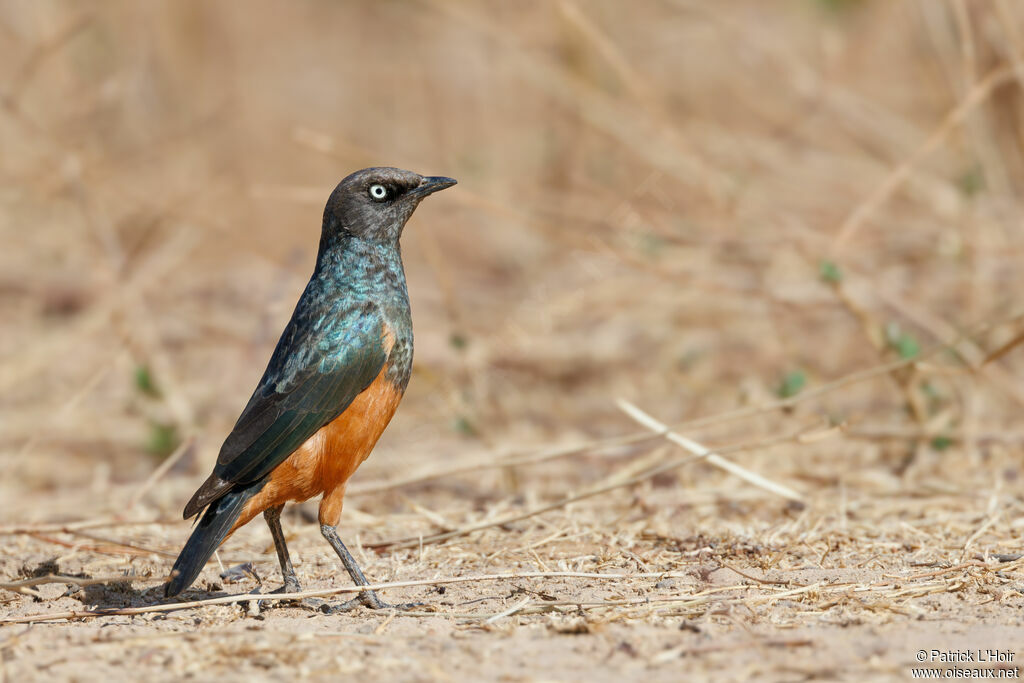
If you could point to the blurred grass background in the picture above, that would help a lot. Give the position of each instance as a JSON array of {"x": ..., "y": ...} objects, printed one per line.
[{"x": 693, "y": 205}]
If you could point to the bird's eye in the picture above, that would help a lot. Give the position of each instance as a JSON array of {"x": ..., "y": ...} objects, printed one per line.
[{"x": 378, "y": 192}]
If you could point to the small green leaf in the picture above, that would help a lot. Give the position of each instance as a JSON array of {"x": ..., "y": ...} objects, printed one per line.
[
  {"x": 941, "y": 443},
  {"x": 836, "y": 6},
  {"x": 651, "y": 244},
  {"x": 689, "y": 359},
  {"x": 904, "y": 343},
  {"x": 144, "y": 382},
  {"x": 830, "y": 272},
  {"x": 971, "y": 181},
  {"x": 463, "y": 426},
  {"x": 458, "y": 340},
  {"x": 930, "y": 391},
  {"x": 162, "y": 440},
  {"x": 791, "y": 384},
  {"x": 908, "y": 347}
]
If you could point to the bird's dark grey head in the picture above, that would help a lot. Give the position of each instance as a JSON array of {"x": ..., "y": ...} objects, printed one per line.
[{"x": 375, "y": 203}]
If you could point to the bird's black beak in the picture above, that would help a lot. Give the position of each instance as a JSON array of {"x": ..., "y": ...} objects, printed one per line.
[{"x": 432, "y": 184}]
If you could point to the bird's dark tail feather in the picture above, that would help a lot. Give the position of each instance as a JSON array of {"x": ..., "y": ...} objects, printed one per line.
[{"x": 213, "y": 527}]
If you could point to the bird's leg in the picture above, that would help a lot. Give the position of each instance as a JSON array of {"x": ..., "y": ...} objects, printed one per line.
[
  {"x": 365, "y": 598},
  {"x": 291, "y": 582}
]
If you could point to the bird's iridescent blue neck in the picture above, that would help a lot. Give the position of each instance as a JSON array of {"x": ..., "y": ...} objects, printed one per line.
[{"x": 354, "y": 272}]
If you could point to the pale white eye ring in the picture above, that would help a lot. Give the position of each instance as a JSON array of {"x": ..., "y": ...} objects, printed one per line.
[{"x": 378, "y": 191}]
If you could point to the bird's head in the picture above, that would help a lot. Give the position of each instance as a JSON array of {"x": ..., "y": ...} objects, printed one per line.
[{"x": 374, "y": 203}]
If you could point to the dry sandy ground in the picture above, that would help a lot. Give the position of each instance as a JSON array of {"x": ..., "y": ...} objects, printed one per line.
[{"x": 719, "y": 583}]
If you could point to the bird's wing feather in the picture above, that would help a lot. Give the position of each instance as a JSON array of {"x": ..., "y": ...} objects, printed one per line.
[{"x": 317, "y": 370}]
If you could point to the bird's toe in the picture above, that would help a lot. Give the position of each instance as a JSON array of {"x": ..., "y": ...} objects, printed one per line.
[{"x": 370, "y": 600}]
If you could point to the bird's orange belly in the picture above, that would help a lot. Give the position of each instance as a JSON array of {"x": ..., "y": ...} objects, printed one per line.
[{"x": 324, "y": 463}]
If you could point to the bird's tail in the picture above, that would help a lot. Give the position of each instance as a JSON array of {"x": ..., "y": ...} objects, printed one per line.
[{"x": 211, "y": 530}]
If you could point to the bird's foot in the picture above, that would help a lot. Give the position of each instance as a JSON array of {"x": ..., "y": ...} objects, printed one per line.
[
  {"x": 290, "y": 586},
  {"x": 312, "y": 604},
  {"x": 367, "y": 599}
]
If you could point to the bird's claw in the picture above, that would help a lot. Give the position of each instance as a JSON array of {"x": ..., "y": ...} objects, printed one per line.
[
  {"x": 368, "y": 599},
  {"x": 288, "y": 587},
  {"x": 312, "y": 604}
]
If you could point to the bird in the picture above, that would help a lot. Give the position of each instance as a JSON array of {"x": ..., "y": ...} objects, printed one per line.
[{"x": 330, "y": 388}]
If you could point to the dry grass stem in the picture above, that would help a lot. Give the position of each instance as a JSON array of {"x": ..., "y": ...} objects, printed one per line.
[{"x": 702, "y": 452}]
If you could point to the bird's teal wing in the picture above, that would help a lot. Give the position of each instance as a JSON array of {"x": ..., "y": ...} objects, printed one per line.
[{"x": 318, "y": 368}]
